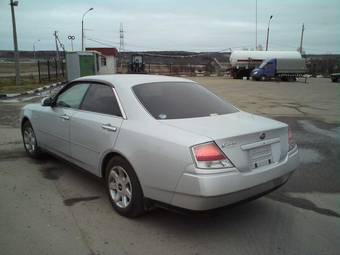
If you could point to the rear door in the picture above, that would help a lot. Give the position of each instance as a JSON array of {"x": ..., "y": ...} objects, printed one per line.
[{"x": 95, "y": 127}]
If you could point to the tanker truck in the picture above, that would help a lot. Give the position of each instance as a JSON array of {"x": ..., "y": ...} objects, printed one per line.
[{"x": 243, "y": 62}]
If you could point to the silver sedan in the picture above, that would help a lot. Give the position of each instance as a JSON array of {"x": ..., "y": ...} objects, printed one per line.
[{"x": 161, "y": 139}]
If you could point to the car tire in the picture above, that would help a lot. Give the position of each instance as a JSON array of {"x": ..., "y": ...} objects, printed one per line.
[
  {"x": 123, "y": 187},
  {"x": 30, "y": 140}
]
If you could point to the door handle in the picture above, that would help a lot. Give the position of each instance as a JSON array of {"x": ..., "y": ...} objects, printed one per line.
[
  {"x": 109, "y": 127},
  {"x": 65, "y": 117}
]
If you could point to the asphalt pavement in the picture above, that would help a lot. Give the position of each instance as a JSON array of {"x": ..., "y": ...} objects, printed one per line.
[{"x": 48, "y": 206}]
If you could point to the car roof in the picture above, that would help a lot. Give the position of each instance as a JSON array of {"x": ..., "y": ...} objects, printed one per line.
[{"x": 122, "y": 81}]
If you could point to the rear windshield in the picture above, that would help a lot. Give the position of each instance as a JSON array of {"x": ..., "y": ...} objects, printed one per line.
[{"x": 178, "y": 100}]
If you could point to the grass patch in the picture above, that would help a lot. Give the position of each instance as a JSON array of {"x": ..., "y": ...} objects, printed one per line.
[{"x": 7, "y": 85}]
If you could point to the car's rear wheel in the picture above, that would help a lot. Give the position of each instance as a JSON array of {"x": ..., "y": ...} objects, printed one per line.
[
  {"x": 123, "y": 188},
  {"x": 30, "y": 140}
]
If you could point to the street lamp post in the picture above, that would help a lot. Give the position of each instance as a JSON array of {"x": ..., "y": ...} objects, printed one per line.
[
  {"x": 15, "y": 41},
  {"x": 82, "y": 28},
  {"x": 34, "y": 47},
  {"x": 270, "y": 18}
]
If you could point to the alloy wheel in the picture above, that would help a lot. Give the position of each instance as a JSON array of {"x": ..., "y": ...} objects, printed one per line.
[
  {"x": 29, "y": 140},
  {"x": 120, "y": 186}
]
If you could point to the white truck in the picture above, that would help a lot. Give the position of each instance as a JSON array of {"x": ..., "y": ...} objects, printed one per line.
[{"x": 243, "y": 62}]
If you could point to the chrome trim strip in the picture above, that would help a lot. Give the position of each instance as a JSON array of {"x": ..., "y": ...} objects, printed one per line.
[
  {"x": 261, "y": 143},
  {"x": 120, "y": 104}
]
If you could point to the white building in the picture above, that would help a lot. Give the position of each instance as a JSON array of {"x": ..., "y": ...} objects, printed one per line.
[{"x": 106, "y": 60}]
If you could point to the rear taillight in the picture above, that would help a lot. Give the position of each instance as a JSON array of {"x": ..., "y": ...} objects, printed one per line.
[
  {"x": 209, "y": 155},
  {"x": 291, "y": 141}
]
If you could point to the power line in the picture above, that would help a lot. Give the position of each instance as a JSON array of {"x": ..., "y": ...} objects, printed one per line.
[
  {"x": 111, "y": 43},
  {"x": 310, "y": 49},
  {"x": 100, "y": 42}
]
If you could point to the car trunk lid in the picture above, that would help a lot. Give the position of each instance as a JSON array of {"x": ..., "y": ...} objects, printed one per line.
[{"x": 248, "y": 140}]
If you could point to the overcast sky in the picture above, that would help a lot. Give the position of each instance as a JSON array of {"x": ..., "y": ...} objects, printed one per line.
[{"x": 194, "y": 25}]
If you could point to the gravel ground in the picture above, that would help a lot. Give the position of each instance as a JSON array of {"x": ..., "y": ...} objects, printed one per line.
[{"x": 51, "y": 207}]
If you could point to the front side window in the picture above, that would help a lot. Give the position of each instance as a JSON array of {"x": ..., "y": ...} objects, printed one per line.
[
  {"x": 177, "y": 100},
  {"x": 100, "y": 98},
  {"x": 73, "y": 96}
]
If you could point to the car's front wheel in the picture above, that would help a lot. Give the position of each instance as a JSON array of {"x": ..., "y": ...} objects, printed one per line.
[
  {"x": 123, "y": 188},
  {"x": 30, "y": 140}
]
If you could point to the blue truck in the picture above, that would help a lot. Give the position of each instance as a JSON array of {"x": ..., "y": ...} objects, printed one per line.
[{"x": 280, "y": 68}]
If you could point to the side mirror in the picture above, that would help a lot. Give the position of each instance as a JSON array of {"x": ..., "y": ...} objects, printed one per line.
[{"x": 46, "y": 101}]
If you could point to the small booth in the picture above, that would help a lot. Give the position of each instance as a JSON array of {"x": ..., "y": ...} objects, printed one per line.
[
  {"x": 90, "y": 62},
  {"x": 80, "y": 63}
]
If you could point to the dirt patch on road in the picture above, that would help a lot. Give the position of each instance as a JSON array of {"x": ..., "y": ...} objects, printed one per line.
[
  {"x": 72, "y": 201},
  {"x": 12, "y": 155},
  {"x": 52, "y": 172}
]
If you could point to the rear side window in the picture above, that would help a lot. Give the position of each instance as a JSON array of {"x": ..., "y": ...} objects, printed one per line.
[
  {"x": 177, "y": 100},
  {"x": 100, "y": 98}
]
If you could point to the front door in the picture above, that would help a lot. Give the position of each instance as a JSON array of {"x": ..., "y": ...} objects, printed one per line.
[
  {"x": 54, "y": 122},
  {"x": 95, "y": 127}
]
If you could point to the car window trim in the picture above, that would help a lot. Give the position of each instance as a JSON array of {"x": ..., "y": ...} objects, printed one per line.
[
  {"x": 119, "y": 104},
  {"x": 65, "y": 88},
  {"x": 104, "y": 114},
  {"x": 147, "y": 111},
  {"x": 73, "y": 83},
  {"x": 114, "y": 94}
]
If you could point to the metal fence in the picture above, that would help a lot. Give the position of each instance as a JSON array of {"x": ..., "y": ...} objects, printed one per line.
[
  {"x": 49, "y": 70},
  {"x": 166, "y": 69},
  {"x": 37, "y": 71}
]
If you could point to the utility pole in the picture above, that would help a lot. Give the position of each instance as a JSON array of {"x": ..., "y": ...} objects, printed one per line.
[
  {"x": 121, "y": 46},
  {"x": 301, "y": 41},
  {"x": 255, "y": 24},
  {"x": 57, "y": 49},
  {"x": 15, "y": 41},
  {"x": 121, "y": 38},
  {"x": 270, "y": 18},
  {"x": 34, "y": 48}
]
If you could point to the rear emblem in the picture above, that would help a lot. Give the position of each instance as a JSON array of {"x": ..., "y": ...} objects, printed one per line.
[
  {"x": 228, "y": 143},
  {"x": 262, "y": 136}
]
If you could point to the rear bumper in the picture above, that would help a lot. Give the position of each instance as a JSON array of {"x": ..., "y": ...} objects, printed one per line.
[{"x": 209, "y": 191}]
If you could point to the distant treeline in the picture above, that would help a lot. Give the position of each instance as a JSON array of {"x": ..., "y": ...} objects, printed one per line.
[{"x": 317, "y": 64}]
